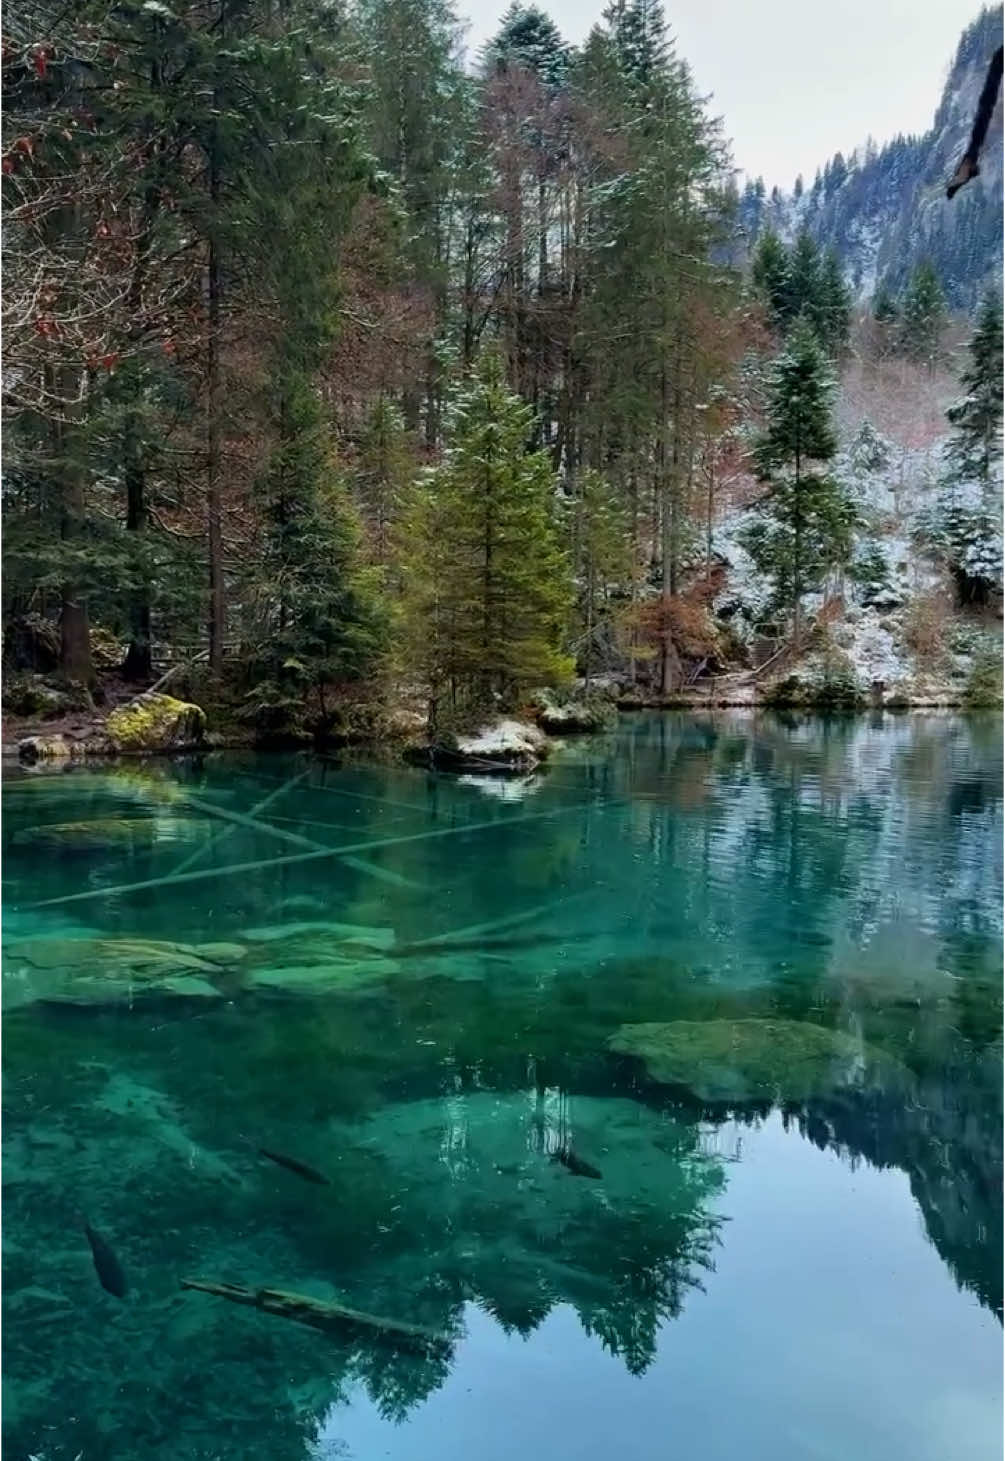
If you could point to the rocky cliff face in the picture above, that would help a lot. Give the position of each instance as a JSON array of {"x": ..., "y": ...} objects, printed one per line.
[{"x": 885, "y": 209}]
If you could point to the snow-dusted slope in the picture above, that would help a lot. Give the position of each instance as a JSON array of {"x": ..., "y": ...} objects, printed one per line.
[{"x": 884, "y": 210}]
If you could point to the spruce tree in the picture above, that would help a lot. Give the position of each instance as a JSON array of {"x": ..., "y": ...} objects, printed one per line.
[
  {"x": 770, "y": 275},
  {"x": 602, "y": 556},
  {"x": 833, "y": 306},
  {"x": 803, "y": 524},
  {"x": 487, "y": 584},
  {"x": 384, "y": 472},
  {"x": 315, "y": 614},
  {"x": 923, "y": 316},
  {"x": 803, "y": 284},
  {"x": 977, "y": 419}
]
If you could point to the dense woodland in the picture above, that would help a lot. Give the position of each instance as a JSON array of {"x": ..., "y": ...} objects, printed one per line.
[{"x": 337, "y": 363}]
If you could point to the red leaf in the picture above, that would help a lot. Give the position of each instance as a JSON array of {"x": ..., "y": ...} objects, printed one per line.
[
  {"x": 41, "y": 63},
  {"x": 110, "y": 361}
]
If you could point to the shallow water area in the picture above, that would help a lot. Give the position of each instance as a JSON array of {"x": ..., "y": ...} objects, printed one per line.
[{"x": 661, "y": 1088}]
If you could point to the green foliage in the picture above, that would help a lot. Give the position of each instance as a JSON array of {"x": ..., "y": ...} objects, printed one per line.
[
  {"x": 770, "y": 275},
  {"x": 601, "y": 554},
  {"x": 835, "y": 685},
  {"x": 530, "y": 40},
  {"x": 488, "y": 586},
  {"x": 970, "y": 536},
  {"x": 977, "y": 419},
  {"x": 923, "y": 316},
  {"x": 803, "y": 525},
  {"x": 383, "y": 475},
  {"x": 870, "y": 452},
  {"x": 869, "y": 568},
  {"x": 318, "y": 618},
  {"x": 799, "y": 284},
  {"x": 984, "y": 683}
]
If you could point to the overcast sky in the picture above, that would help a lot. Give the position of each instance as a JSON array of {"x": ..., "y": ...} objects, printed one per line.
[{"x": 795, "y": 80}]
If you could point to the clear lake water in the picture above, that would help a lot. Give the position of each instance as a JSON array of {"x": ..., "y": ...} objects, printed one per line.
[{"x": 661, "y": 1090}]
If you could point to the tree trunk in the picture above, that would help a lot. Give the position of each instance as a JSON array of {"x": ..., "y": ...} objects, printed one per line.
[
  {"x": 214, "y": 491},
  {"x": 138, "y": 664},
  {"x": 74, "y": 625}
]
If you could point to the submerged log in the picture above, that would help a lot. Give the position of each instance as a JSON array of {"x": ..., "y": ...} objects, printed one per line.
[{"x": 330, "y": 1318}]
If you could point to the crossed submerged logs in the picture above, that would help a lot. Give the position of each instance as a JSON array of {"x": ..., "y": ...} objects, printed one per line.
[{"x": 330, "y": 1318}]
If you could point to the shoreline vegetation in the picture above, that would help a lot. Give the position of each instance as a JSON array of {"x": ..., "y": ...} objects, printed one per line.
[
  {"x": 345, "y": 410},
  {"x": 511, "y": 745}
]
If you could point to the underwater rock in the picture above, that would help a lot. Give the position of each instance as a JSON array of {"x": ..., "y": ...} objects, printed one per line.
[
  {"x": 89, "y": 971},
  {"x": 340, "y": 933},
  {"x": 109, "y": 955},
  {"x": 156, "y": 722},
  {"x": 755, "y": 1059},
  {"x": 221, "y": 953},
  {"x": 103, "y": 834},
  {"x": 328, "y": 976}
]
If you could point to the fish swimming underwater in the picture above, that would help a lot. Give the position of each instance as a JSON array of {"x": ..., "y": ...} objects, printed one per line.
[
  {"x": 309, "y": 1174},
  {"x": 107, "y": 1266},
  {"x": 567, "y": 1157}
]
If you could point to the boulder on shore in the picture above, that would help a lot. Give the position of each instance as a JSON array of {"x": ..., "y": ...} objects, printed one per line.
[
  {"x": 499, "y": 745},
  {"x": 581, "y": 714},
  {"x": 155, "y": 722}
]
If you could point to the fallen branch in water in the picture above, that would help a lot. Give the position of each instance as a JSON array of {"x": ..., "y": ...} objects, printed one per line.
[
  {"x": 218, "y": 837},
  {"x": 319, "y": 1314},
  {"x": 202, "y": 874}
]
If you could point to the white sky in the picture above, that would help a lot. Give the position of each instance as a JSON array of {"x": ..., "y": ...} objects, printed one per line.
[{"x": 795, "y": 80}]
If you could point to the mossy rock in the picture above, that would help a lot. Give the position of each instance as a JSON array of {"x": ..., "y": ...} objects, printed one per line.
[
  {"x": 31, "y": 695},
  {"x": 107, "y": 652},
  {"x": 755, "y": 1059},
  {"x": 156, "y": 723}
]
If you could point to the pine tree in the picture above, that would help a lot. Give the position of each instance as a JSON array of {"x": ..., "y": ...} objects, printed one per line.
[
  {"x": 923, "y": 316},
  {"x": 803, "y": 525},
  {"x": 977, "y": 418},
  {"x": 488, "y": 586}
]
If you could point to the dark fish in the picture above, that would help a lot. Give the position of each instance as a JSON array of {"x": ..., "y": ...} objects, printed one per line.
[
  {"x": 107, "y": 1266},
  {"x": 575, "y": 1164},
  {"x": 309, "y": 1174}
]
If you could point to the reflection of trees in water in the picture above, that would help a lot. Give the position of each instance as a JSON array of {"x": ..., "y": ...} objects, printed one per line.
[{"x": 837, "y": 827}]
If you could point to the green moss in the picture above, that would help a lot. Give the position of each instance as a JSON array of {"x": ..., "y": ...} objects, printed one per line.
[
  {"x": 753, "y": 1060},
  {"x": 156, "y": 723}
]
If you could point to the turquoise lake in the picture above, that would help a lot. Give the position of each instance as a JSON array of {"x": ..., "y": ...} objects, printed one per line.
[{"x": 662, "y": 1089}]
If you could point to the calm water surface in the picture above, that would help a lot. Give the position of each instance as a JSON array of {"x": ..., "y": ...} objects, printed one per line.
[{"x": 426, "y": 989}]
